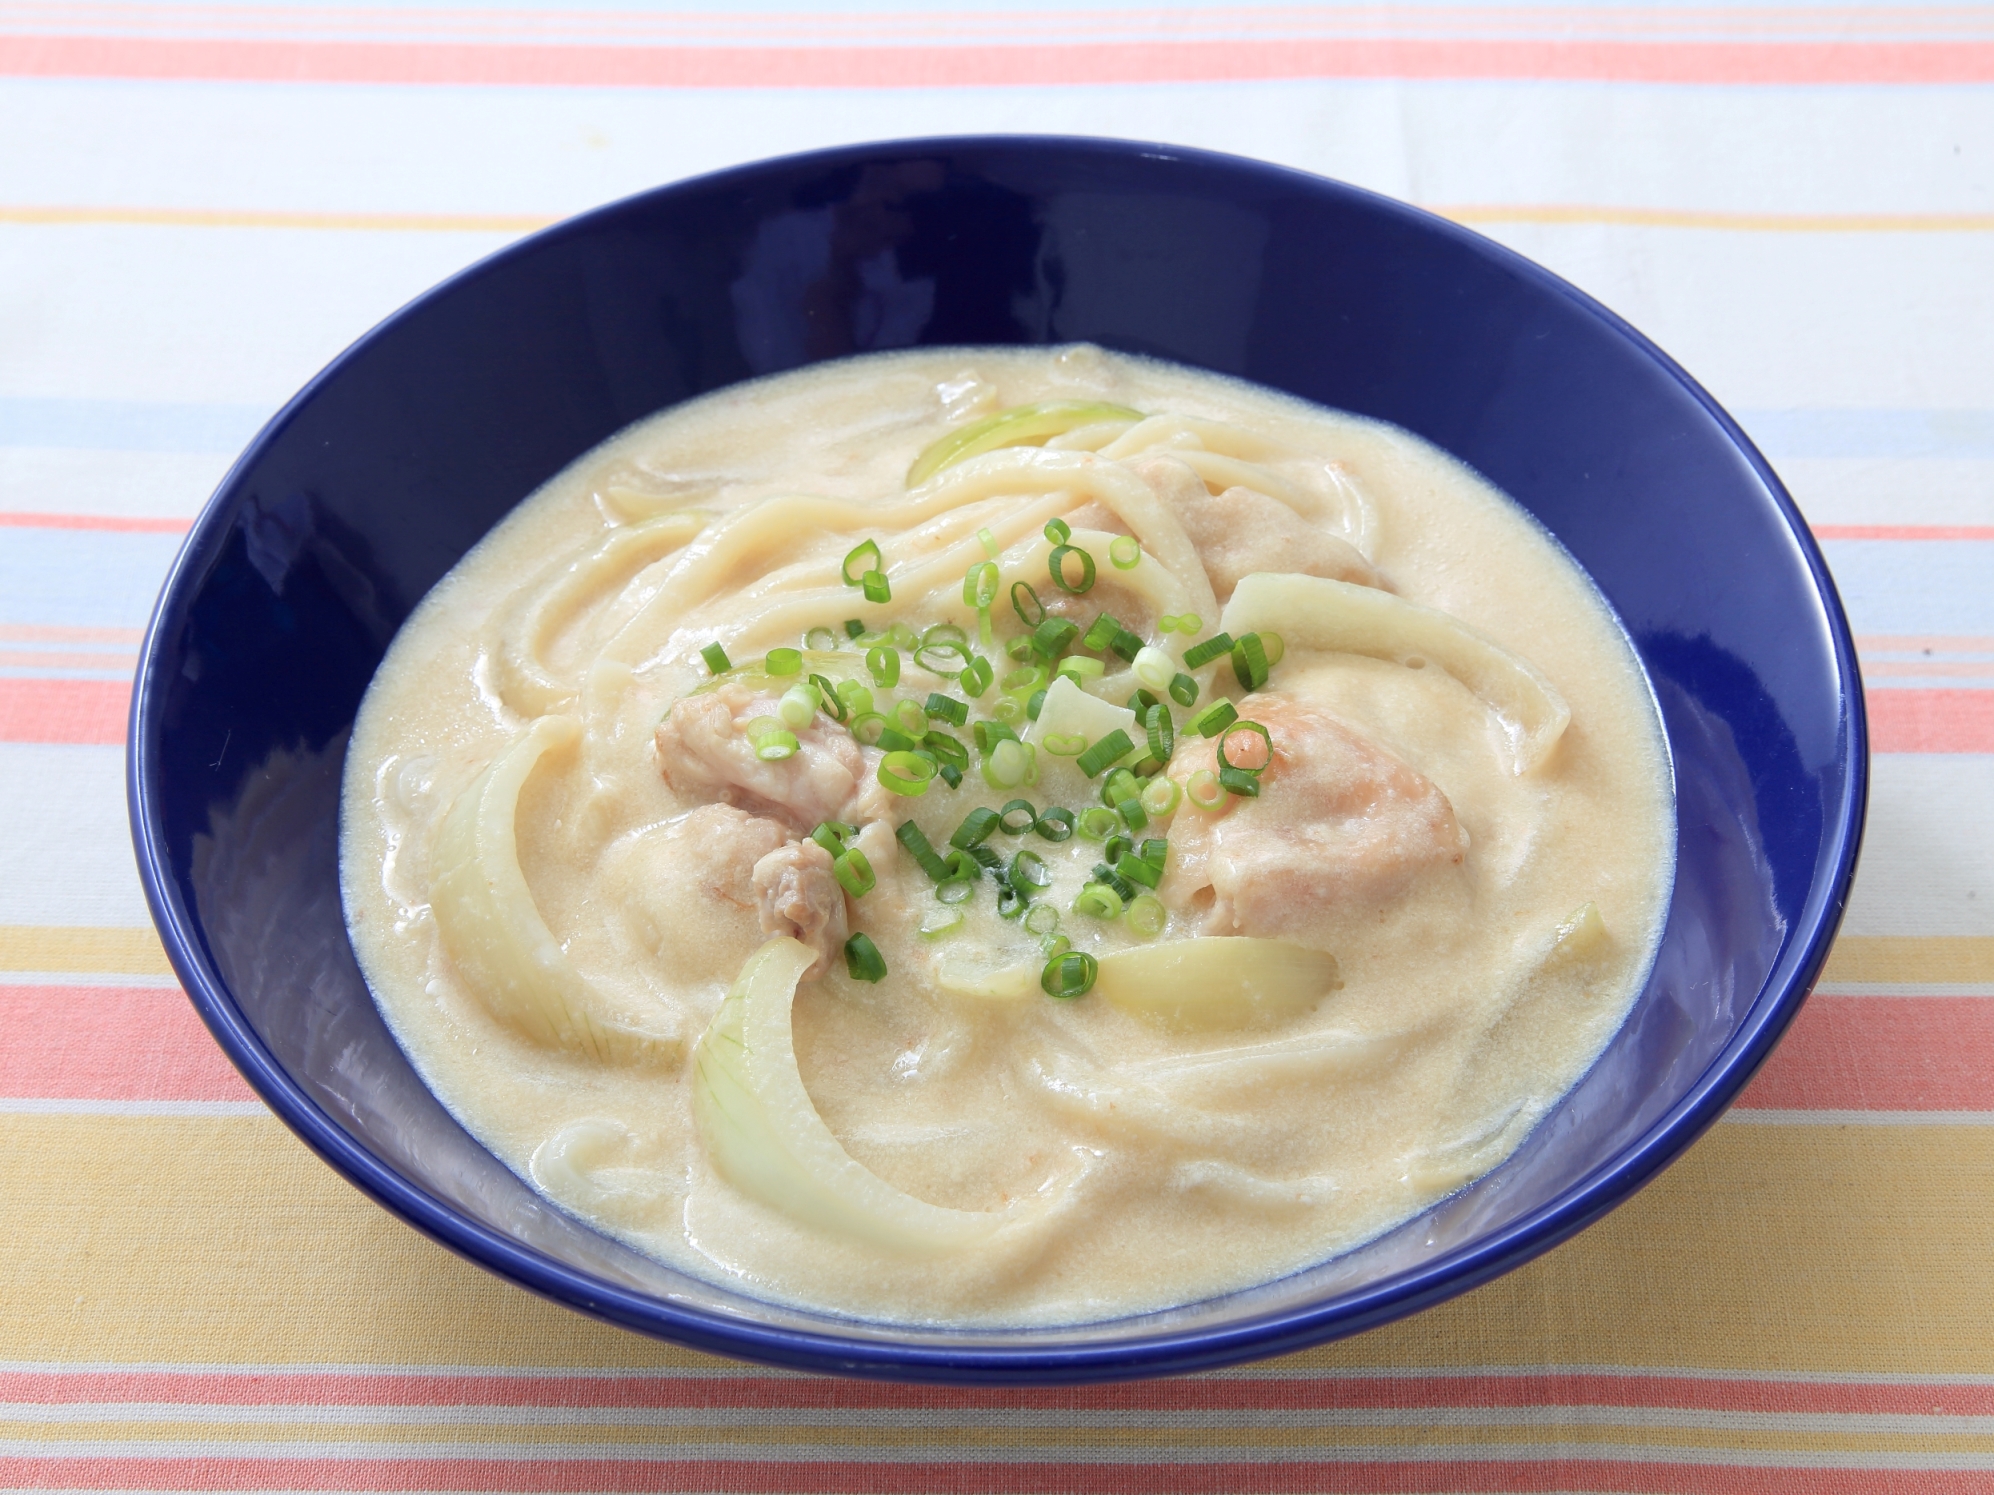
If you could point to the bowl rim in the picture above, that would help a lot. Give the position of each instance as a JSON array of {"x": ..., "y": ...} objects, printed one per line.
[{"x": 989, "y": 1361}]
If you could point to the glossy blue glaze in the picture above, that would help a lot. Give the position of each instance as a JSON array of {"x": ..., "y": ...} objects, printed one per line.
[{"x": 370, "y": 484}]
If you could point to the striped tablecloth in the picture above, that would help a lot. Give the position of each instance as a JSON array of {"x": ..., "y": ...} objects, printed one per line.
[{"x": 201, "y": 204}]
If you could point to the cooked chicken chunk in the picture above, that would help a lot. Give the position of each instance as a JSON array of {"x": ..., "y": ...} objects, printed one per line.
[
  {"x": 800, "y": 898},
  {"x": 704, "y": 752},
  {"x": 1239, "y": 532},
  {"x": 1340, "y": 825}
]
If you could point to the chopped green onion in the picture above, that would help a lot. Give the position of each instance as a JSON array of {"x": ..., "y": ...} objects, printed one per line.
[
  {"x": 975, "y": 828},
  {"x": 820, "y": 640},
  {"x": 1036, "y": 616},
  {"x": 893, "y": 740},
  {"x": 1098, "y": 901},
  {"x": 854, "y": 627},
  {"x": 1042, "y": 919},
  {"x": 1214, "y": 719},
  {"x": 1035, "y": 705},
  {"x": 1160, "y": 796},
  {"x": 1069, "y": 975},
  {"x": 1101, "y": 632},
  {"x": 1053, "y": 635},
  {"x": 902, "y": 636},
  {"x": 1249, "y": 662},
  {"x": 1017, "y": 817},
  {"x": 1008, "y": 765},
  {"x": 950, "y": 775},
  {"x": 1167, "y": 623},
  {"x": 1025, "y": 677},
  {"x": 910, "y": 718},
  {"x": 975, "y": 677},
  {"x": 1056, "y": 824},
  {"x": 1110, "y": 748},
  {"x": 1117, "y": 847},
  {"x": 947, "y": 709},
  {"x": 1058, "y": 531},
  {"x": 1189, "y": 623},
  {"x": 1183, "y": 690},
  {"x": 783, "y": 662},
  {"x": 1054, "y": 946},
  {"x": 1121, "y": 886},
  {"x": 980, "y": 584},
  {"x": 943, "y": 633},
  {"x": 1147, "y": 916},
  {"x": 866, "y": 553},
  {"x": 1273, "y": 648},
  {"x": 1098, "y": 823},
  {"x": 1239, "y": 781},
  {"x": 1028, "y": 873},
  {"x": 1135, "y": 869},
  {"x": 1126, "y": 644},
  {"x": 1140, "y": 702},
  {"x": 1079, "y": 668},
  {"x": 967, "y": 866},
  {"x": 1010, "y": 902},
  {"x": 772, "y": 740},
  {"x": 716, "y": 659},
  {"x": 946, "y": 750},
  {"x": 1132, "y": 813},
  {"x": 989, "y": 542},
  {"x": 883, "y": 661},
  {"x": 1125, "y": 551},
  {"x": 1153, "y": 668},
  {"x": 1162, "y": 734},
  {"x": 988, "y": 734},
  {"x": 937, "y": 922},
  {"x": 1056, "y": 563},
  {"x": 987, "y": 856},
  {"x": 1155, "y": 851},
  {"x": 1118, "y": 786},
  {"x": 855, "y": 696},
  {"x": 954, "y": 889},
  {"x": 906, "y": 773},
  {"x": 1203, "y": 790},
  {"x": 1019, "y": 649},
  {"x": 946, "y": 658},
  {"x": 854, "y": 872},
  {"x": 1237, "y": 729},
  {"x": 909, "y": 835},
  {"x": 863, "y": 962},
  {"x": 867, "y": 727},
  {"x": 877, "y": 588},
  {"x": 1007, "y": 709},
  {"x": 797, "y": 706},
  {"x": 832, "y": 835},
  {"x": 1210, "y": 649},
  {"x": 829, "y": 699},
  {"x": 1064, "y": 744}
]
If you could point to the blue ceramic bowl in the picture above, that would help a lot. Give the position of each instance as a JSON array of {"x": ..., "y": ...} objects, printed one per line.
[{"x": 370, "y": 484}]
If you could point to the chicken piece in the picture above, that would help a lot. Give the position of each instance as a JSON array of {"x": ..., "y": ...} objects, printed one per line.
[
  {"x": 704, "y": 752},
  {"x": 684, "y": 891},
  {"x": 800, "y": 898},
  {"x": 1239, "y": 532},
  {"x": 1340, "y": 825}
]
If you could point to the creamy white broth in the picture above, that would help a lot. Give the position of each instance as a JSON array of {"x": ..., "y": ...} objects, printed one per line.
[{"x": 1054, "y": 1160}]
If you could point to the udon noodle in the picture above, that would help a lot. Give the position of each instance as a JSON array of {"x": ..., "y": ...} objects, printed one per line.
[{"x": 995, "y": 836}]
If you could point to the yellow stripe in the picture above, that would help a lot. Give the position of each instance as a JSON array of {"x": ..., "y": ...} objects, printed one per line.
[
  {"x": 469, "y": 223},
  {"x": 119, "y": 952},
  {"x": 1751, "y": 223},
  {"x": 1961, "y": 959},
  {"x": 223, "y": 1240}
]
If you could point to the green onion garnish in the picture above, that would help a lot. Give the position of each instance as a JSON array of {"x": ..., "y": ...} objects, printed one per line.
[
  {"x": 1249, "y": 662},
  {"x": 1147, "y": 916},
  {"x": 820, "y": 640},
  {"x": 1114, "y": 746},
  {"x": 1203, "y": 790},
  {"x": 1010, "y": 902},
  {"x": 1117, "y": 847},
  {"x": 1017, "y": 817},
  {"x": 1036, "y": 613},
  {"x": 1210, "y": 649},
  {"x": 910, "y": 718},
  {"x": 1132, "y": 813},
  {"x": 1183, "y": 690},
  {"x": 1079, "y": 668},
  {"x": 966, "y": 866},
  {"x": 950, "y": 775},
  {"x": 1242, "y": 728},
  {"x": 1098, "y": 901},
  {"x": 1160, "y": 796},
  {"x": 1056, "y": 564},
  {"x": 1239, "y": 781},
  {"x": 980, "y": 585},
  {"x": 1125, "y": 551},
  {"x": 1035, "y": 705},
  {"x": 1019, "y": 650},
  {"x": 1101, "y": 632},
  {"x": 1058, "y": 531},
  {"x": 1028, "y": 873},
  {"x": 1153, "y": 668},
  {"x": 1026, "y": 677},
  {"x": 975, "y": 828},
  {"x": 1064, "y": 744},
  {"x": 853, "y": 872},
  {"x": 989, "y": 543},
  {"x": 988, "y": 857},
  {"x": 863, "y": 962},
  {"x": 1053, "y": 635},
  {"x": 1189, "y": 623},
  {"x": 883, "y": 661},
  {"x": 855, "y": 696},
  {"x": 1118, "y": 786},
  {"x": 947, "y": 709},
  {"x": 893, "y": 740},
  {"x": 866, "y": 553},
  {"x": 948, "y": 752},
  {"x": 1098, "y": 823},
  {"x": 1069, "y": 975},
  {"x": 1042, "y": 919},
  {"x": 1009, "y": 764},
  {"x": 988, "y": 734},
  {"x": 829, "y": 699},
  {"x": 867, "y": 727},
  {"x": 1135, "y": 869},
  {"x": 877, "y": 588},
  {"x": 909, "y": 835},
  {"x": 832, "y": 835},
  {"x": 975, "y": 677},
  {"x": 1162, "y": 733},
  {"x": 797, "y": 706},
  {"x": 952, "y": 889},
  {"x": 938, "y": 922},
  {"x": 716, "y": 659},
  {"x": 1126, "y": 644},
  {"x": 854, "y": 627},
  {"x": 1155, "y": 851},
  {"x": 906, "y": 773},
  {"x": 1119, "y": 885},
  {"x": 1214, "y": 719},
  {"x": 1273, "y": 648},
  {"x": 772, "y": 740},
  {"x": 945, "y": 657},
  {"x": 1056, "y": 824},
  {"x": 783, "y": 661}
]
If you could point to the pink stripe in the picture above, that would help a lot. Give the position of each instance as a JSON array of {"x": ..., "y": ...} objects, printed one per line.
[
  {"x": 1327, "y": 1392},
  {"x": 109, "y": 1043},
  {"x": 860, "y": 1476},
  {"x": 1931, "y": 721},
  {"x": 1882, "y": 1054},
  {"x": 1904, "y": 531},
  {"x": 1834, "y": 62},
  {"x": 76, "y": 711},
  {"x": 131, "y": 523}
]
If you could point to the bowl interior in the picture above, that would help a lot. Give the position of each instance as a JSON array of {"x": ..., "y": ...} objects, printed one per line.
[{"x": 399, "y": 457}]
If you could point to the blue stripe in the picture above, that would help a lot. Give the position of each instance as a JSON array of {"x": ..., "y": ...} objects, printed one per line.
[
  {"x": 82, "y": 578},
  {"x": 129, "y": 425},
  {"x": 1915, "y": 586},
  {"x": 1785, "y": 434}
]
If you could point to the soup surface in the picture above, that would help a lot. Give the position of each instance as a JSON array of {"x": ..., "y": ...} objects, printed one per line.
[{"x": 1006, "y": 836}]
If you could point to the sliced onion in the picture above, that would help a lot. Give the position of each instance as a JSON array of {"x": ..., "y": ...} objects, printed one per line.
[{"x": 1217, "y": 981}]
